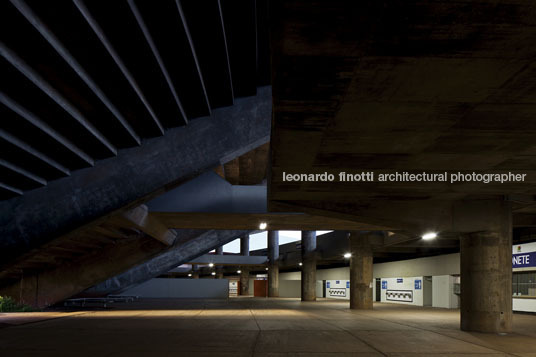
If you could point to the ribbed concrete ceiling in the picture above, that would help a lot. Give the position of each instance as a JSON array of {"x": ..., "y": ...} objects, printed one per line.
[{"x": 84, "y": 79}]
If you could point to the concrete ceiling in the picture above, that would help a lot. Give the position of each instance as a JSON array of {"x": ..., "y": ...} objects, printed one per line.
[{"x": 402, "y": 86}]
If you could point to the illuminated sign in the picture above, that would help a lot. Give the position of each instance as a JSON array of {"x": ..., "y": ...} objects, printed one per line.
[{"x": 524, "y": 260}]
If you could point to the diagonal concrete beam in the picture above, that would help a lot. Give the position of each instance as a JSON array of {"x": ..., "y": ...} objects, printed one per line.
[
  {"x": 134, "y": 176},
  {"x": 169, "y": 259},
  {"x": 139, "y": 217}
]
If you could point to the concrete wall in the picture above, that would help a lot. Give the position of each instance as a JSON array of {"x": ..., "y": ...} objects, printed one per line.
[{"x": 182, "y": 288}]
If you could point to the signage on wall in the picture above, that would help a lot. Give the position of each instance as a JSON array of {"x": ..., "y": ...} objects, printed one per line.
[
  {"x": 399, "y": 280},
  {"x": 418, "y": 284},
  {"x": 328, "y": 284},
  {"x": 524, "y": 260},
  {"x": 337, "y": 292},
  {"x": 384, "y": 284},
  {"x": 399, "y": 295},
  {"x": 348, "y": 285}
]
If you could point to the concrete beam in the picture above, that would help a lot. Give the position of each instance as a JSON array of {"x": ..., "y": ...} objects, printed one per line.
[
  {"x": 250, "y": 221},
  {"x": 180, "y": 253},
  {"x": 229, "y": 259},
  {"x": 140, "y": 218},
  {"x": 51, "y": 286},
  {"x": 134, "y": 176}
]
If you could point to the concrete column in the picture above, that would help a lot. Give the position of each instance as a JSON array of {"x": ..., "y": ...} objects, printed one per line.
[
  {"x": 273, "y": 265},
  {"x": 486, "y": 268},
  {"x": 361, "y": 269},
  {"x": 244, "y": 281},
  {"x": 195, "y": 271},
  {"x": 244, "y": 275},
  {"x": 219, "y": 272},
  {"x": 308, "y": 273},
  {"x": 219, "y": 268},
  {"x": 244, "y": 244}
]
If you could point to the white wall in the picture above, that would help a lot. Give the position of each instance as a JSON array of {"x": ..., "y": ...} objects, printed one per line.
[
  {"x": 321, "y": 274},
  {"x": 448, "y": 264},
  {"x": 338, "y": 289},
  {"x": 290, "y": 288},
  {"x": 443, "y": 292},
  {"x": 181, "y": 288},
  {"x": 427, "y": 291},
  {"x": 406, "y": 284},
  {"x": 528, "y": 305}
]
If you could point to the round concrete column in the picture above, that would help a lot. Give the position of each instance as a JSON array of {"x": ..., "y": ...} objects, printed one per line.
[
  {"x": 361, "y": 270},
  {"x": 195, "y": 271},
  {"x": 308, "y": 273},
  {"x": 244, "y": 281},
  {"x": 219, "y": 272},
  {"x": 244, "y": 245},
  {"x": 273, "y": 267},
  {"x": 486, "y": 273}
]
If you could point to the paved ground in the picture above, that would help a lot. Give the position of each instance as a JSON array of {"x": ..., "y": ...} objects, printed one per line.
[{"x": 256, "y": 327}]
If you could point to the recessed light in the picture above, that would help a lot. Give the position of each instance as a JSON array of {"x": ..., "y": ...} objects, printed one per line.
[
  {"x": 262, "y": 225},
  {"x": 239, "y": 271},
  {"x": 211, "y": 265},
  {"x": 347, "y": 255},
  {"x": 266, "y": 268},
  {"x": 301, "y": 264},
  {"x": 189, "y": 274},
  {"x": 430, "y": 235},
  {"x": 213, "y": 273}
]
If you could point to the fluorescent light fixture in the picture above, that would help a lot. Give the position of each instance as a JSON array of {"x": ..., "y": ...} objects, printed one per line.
[
  {"x": 239, "y": 271},
  {"x": 211, "y": 265},
  {"x": 347, "y": 255},
  {"x": 213, "y": 273},
  {"x": 301, "y": 264},
  {"x": 429, "y": 236},
  {"x": 262, "y": 225}
]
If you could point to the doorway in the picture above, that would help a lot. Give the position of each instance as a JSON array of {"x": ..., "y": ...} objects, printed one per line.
[{"x": 378, "y": 289}]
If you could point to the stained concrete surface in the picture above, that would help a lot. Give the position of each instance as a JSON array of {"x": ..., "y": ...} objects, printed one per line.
[{"x": 261, "y": 327}]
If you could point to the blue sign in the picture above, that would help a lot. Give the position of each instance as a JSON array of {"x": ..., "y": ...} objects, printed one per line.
[
  {"x": 524, "y": 260},
  {"x": 418, "y": 284},
  {"x": 399, "y": 280},
  {"x": 327, "y": 284},
  {"x": 347, "y": 285},
  {"x": 384, "y": 284},
  {"x": 337, "y": 282}
]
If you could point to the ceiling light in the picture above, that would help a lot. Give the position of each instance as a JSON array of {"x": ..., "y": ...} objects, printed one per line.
[
  {"x": 189, "y": 274},
  {"x": 301, "y": 264},
  {"x": 262, "y": 225},
  {"x": 213, "y": 273},
  {"x": 239, "y": 271},
  {"x": 266, "y": 268},
  {"x": 428, "y": 236},
  {"x": 347, "y": 255},
  {"x": 211, "y": 265}
]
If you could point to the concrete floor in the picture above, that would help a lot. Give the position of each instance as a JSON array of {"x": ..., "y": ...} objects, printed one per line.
[{"x": 255, "y": 327}]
